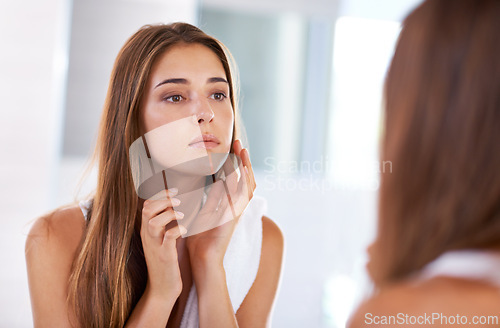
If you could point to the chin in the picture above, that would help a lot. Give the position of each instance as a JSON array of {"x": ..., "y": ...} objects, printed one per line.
[{"x": 208, "y": 164}]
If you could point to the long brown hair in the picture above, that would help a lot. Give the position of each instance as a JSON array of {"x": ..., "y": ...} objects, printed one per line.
[
  {"x": 442, "y": 135},
  {"x": 109, "y": 273}
]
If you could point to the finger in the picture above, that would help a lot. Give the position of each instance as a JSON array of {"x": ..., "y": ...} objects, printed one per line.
[
  {"x": 237, "y": 147},
  {"x": 156, "y": 226},
  {"x": 230, "y": 196},
  {"x": 245, "y": 157},
  {"x": 214, "y": 197},
  {"x": 230, "y": 181},
  {"x": 174, "y": 233},
  {"x": 248, "y": 185},
  {"x": 248, "y": 167},
  {"x": 244, "y": 184},
  {"x": 165, "y": 193},
  {"x": 231, "y": 174},
  {"x": 154, "y": 207}
]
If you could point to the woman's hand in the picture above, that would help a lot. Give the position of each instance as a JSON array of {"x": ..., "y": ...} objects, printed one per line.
[
  {"x": 159, "y": 244},
  {"x": 225, "y": 203}
]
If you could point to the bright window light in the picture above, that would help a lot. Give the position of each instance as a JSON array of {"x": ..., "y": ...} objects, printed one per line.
[{"x": 362, "y": 51}]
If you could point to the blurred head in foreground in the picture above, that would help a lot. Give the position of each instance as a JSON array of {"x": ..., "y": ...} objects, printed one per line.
[{"x": 442, "y": 135}]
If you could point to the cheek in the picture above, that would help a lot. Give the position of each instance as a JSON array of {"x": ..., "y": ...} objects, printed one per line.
[
  {"x": 167, "y": 143},
  {"x": 152, "y": 121},
  {"x": 228, "y": 121},
  {"x": 154, "y": 116}
]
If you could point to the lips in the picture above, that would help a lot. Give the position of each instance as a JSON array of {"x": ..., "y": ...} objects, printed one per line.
[{"x": 206, "y": 141}]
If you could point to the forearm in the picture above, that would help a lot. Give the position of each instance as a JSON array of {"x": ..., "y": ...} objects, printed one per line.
[
  {"x": 151, "y": 311},
  {"x": 214, "y": 305}
]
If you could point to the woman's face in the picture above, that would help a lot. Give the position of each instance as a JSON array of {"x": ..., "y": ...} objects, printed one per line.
[{"x": 186, "y": 114}]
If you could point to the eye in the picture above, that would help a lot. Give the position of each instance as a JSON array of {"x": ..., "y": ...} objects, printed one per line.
[
  {"x": 219, "y": 96},
  {"x": 174, "y": 98}
]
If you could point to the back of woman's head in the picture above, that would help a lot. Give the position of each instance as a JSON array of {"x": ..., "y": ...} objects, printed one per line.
[{"x": 442, "y": 135}]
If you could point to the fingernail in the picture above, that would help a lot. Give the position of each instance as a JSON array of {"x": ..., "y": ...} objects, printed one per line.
[
  {"x": 179, "y": 215},
  {"x": 173, "y": 191},
  {"x": 176, "y": 201},
  {"x": 182, "y": 229}
]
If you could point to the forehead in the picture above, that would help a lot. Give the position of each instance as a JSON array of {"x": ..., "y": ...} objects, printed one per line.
[{"x": 183, "y": 60}]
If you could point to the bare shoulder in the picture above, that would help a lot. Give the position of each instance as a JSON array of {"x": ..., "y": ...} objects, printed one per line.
[
  {"x": 272, "y": 236},
  {"x": 443, "y": 297},
  {"x": 386, "y": 303},
  {"x": 50, "y": 249},
  {"x": 61, "y": 227},
  {"x": 272, "y": 252},
  {"x": 256, "y": 309},
  {"x": 53, "y": 241}
]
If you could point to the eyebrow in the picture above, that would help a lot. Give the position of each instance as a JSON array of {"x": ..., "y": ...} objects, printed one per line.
[
  {"x": 184, "y": 81},
  {"x": 216, "y": 79}
]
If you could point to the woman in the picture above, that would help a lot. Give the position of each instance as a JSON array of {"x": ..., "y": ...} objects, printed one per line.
[
  {"x": 121, "y": 262},
  {"x": 438, "y": 246}
]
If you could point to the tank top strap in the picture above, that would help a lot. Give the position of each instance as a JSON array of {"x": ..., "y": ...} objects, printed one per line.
[
  {"x": 483, "y": 265},
  {"x": 85, "y": 207}
]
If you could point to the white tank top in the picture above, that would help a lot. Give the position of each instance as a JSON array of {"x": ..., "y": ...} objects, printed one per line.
[
  {"x": 241, "y": 261},
  {"x": 483, "y": 265}
]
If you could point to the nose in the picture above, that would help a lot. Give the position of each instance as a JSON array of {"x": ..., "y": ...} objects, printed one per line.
[{"x": 204, "y": 113}]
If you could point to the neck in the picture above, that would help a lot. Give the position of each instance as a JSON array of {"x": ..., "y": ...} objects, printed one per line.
[{"x": 184, "y": 182}]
